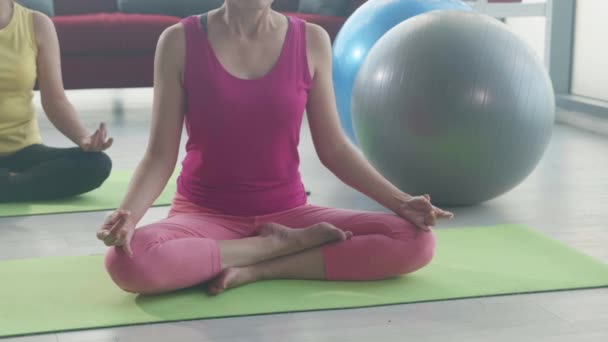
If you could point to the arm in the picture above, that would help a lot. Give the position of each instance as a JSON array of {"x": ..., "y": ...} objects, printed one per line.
[
  {"x": 158, "y": 163},
  {"x": 339, "y": 155},
  {"x": 159, "y": 160},
  {"x": 54, "y": 101},
  {"x": 333, "y": 147}
]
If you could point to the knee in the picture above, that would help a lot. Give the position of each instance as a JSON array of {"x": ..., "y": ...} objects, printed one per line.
[
  {"x": 120, "y": 269},
  {"x": 425, "y": 243},
  {"x": 129, "y": 274},
  {"x": 418, "y": 252},
  {"x": 102, "y": 164},
  {"x": 98, "y": 166}
]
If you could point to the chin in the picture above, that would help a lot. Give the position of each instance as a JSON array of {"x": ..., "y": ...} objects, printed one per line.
[{"x": 251, "y": 4}]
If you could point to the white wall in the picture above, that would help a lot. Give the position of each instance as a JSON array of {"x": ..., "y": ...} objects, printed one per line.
[
  {"x": 532, "y": 31},
  {"x": 590, "y": 65}
]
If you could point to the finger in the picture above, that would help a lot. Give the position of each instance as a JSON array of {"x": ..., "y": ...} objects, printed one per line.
[
  {"x": 109, "y": 223},
  {"x": 107, "y": 233},
  {"x": 91, "y": 143},
  {"x": 101, "y": 133},
  {"x": 104, "y": 135},
  {"x": 118, "y": 243},
  {"x": 110, "y": 240},
  {"x": 423, "y": 203},
  {"x": 127, "y": 246},
  {"x": 122, "y": 237},
  {"x": 107, "y": 144},
  {"x": 424, "y": 227},
  {"x": 430, "y": 220},
  {"x": 100, "y": 143},
  {"x": 98, "y": 140},
  {"x": 114, "y": 215},
  {"x": 102, "y": 234},
  {"x": 443, "y": 214},
  {"x": 120, "y": 229},
  {"x": 95, "y": 134},
  {"x": 116, "y": 231},
  {"x": 117, "y": 238},
  {"x": 118, "y": 225},
  {"x": 421, "y": 225},
  {"x": 86, "y": 147},
  {"x": 428, "y": 197},
  {"x": 112, "y": 219}
]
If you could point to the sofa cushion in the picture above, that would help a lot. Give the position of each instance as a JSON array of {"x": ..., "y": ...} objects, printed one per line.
[
  {"x": 103, "y": 71},
  {"x": 285, "y": 5},
  {"x": 115, "y": 33},
  {"x": 178, "y": 8},
  {"x": 70, "y": 7},
  {"x": 44, "y": 6},
  {"x": 356, "y": 4},
  {"x": 325, "y": 7}
]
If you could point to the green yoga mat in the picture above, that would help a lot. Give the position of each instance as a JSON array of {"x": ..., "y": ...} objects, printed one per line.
[
  {"x": 106, "y": 197},
  {"x": 60, "y": 294}
]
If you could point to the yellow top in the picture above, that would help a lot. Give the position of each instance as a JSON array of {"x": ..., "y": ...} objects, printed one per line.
[{"x": 18, "y": 52}]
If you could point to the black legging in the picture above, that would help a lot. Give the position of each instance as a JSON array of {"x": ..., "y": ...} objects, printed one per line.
[{"x": 39, "y": 172}]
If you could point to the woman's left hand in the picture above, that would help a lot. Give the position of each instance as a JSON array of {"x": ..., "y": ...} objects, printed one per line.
[
  {"x": 420, "y": 212},
  {"x": 98, "y": 141}
]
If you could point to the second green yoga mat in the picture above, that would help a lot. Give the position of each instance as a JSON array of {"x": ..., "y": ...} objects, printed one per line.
[
  {"x": 60, "y": 294},
  {"x": 107, "y": 197}
]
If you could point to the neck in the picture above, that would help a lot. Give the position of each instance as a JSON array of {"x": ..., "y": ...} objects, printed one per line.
[
  {"x": 246, "y": 21},
  {"x": 6, "y": 12}
]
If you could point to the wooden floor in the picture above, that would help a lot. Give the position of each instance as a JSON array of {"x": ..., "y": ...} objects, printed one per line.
[{"x": 565, "y": 198}]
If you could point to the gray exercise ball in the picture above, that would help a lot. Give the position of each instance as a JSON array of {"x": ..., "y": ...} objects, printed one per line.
[{"x": 454, "y": 105}]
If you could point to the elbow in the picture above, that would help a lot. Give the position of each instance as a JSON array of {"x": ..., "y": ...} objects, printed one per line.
[
  {"x": 326, "y": 160},
  {"x": 331, "y": 155},
  {"x": 160, "y": 158},
  {"x": 50, "y": 103}
]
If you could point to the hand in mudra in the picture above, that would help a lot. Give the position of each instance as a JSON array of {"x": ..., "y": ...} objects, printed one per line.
[
  {"x": 117, "y": 230},
  {"x": 98, "y": 141},
  {"x": 420, "y": 212}
]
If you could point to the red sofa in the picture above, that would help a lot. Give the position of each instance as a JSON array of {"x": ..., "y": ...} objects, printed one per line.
[{"x": 103, "y": 48}]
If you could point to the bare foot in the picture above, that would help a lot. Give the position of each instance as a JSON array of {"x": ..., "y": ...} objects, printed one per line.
[
  {"x": 290, "y": 240},
  {"x": 285, "y": 241},
  {"x": 231, "y": 278}
]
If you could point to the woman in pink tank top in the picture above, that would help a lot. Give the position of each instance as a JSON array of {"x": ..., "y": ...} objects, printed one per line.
[{"x": 240, "y": 79}]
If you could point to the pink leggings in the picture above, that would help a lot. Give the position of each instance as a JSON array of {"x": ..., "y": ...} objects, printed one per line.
[{"x": 182, "y": 250}]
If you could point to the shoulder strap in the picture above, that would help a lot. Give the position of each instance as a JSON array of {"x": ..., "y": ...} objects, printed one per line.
[{"x": 204, "y": 18}]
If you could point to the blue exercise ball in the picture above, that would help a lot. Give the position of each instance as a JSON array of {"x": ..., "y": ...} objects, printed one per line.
[{"x": 359, "y": 34}]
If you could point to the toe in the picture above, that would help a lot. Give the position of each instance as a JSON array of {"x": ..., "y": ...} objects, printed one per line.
[
  {"x": 211, "y": 290},
  {"x": 342, "y": 235},
  {"x": 215, "y": 289}
]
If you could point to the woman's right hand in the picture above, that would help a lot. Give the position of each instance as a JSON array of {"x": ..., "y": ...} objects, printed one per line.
[{"x": 117, "y": 230}]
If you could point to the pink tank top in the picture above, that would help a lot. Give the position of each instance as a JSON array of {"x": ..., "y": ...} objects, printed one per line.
[{"x": 242, "y": 150}]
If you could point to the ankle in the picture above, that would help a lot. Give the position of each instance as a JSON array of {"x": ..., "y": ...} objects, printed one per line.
[
  {"x": 272, "y": 244},
  {"x": 257, "y": 272}
]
